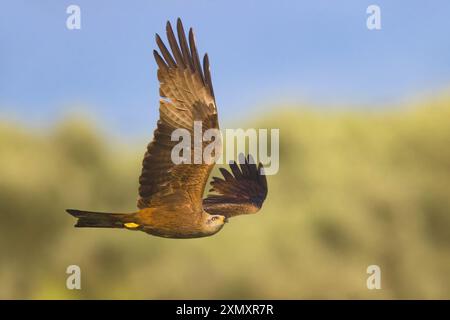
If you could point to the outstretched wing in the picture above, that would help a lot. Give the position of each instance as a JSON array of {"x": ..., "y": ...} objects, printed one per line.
[
  {"x": 186, "y": 96},
  {"x": 241, "y": 192}
]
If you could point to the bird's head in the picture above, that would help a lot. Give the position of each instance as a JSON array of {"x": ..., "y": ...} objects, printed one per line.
[{"x": 214, "y": 223}]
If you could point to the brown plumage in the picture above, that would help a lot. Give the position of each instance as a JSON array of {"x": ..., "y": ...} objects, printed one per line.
[
  {"x": 170, "y": 195},
  {"x": 241, "y": 192}
]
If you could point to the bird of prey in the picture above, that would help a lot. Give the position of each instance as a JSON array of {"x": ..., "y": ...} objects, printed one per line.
[{"x": 171, "y": 203}]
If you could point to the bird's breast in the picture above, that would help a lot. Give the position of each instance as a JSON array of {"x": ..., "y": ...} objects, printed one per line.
[{"x": 167, "y": 223}]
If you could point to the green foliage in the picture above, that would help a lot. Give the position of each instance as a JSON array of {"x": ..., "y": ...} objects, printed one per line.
[{"x": 354, "y": 189}]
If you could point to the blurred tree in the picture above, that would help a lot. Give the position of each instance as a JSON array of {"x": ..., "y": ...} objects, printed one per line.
[{"x": 354, "y": 189}]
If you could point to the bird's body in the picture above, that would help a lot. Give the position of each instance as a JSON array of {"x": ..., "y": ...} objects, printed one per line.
[
  {"x": 171, "y": 203},
  {"x": 166, "y": 222},
  {"x": 193, "y": 225}
]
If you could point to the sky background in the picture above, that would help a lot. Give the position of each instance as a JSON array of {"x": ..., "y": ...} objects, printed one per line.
[{"x": 263, "y": 54}]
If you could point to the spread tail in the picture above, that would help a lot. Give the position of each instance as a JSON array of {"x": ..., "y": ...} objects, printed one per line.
[{"x": 88, "y": 219}]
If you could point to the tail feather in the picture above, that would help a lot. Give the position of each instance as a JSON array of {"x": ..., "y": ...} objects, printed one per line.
[{"x": 89, "y": 219}]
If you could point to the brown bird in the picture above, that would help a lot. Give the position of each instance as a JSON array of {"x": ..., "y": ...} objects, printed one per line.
[{"x": 170, "y": 195}]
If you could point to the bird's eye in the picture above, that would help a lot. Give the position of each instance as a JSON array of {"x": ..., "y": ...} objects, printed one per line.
[{"x": 214, "y": 218}]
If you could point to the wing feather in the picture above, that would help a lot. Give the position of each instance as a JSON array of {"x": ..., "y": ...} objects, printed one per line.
[
  {"x": 166, "y": 54},
  {"x": 207, "y": 74},
  {"x": 194, "y": 55},
  {"x": 184, "y": 46},
  {"x": 174, "y": 46}
]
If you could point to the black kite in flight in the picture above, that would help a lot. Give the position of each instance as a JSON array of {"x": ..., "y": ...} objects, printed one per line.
[{"x": 171, "y": 200}]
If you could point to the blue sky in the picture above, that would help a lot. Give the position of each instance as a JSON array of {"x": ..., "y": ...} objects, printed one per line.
[{"x": 261, "y": 52}]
